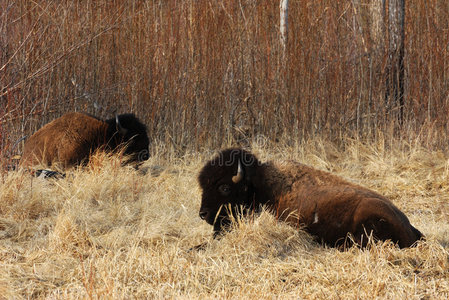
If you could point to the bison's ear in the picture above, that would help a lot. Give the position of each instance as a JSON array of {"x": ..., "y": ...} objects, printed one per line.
[
  {"x": 118, "y": 126},
  {"x": 253, "y": 173}
]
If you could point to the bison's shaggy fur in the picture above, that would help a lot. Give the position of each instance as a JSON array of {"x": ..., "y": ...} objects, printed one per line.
[
  {"x": 328, "y": 206},
  {"x": 71, "y": 139}
]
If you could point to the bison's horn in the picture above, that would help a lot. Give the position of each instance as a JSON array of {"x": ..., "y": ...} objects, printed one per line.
[
  {"x": 239, "y": 175},
  {"x": 119, "y": 126}
]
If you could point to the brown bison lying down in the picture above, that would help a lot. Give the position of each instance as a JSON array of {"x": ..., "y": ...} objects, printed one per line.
[
  {"x": 329, "y": 207},
  {"x": 70, "y": 140}
]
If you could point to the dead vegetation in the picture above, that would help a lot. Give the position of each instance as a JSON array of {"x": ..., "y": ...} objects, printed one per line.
[
  {"x": 203, "y": 75},
  {"x": 109, "y": 231}
]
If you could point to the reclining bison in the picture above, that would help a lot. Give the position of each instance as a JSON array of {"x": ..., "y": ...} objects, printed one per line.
[
  {"x": 70, "y": 140},
  {"x": 329, "y": 207}
]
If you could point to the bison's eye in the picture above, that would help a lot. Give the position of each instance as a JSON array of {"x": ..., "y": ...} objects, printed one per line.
[{"x": 224, "y": 189}]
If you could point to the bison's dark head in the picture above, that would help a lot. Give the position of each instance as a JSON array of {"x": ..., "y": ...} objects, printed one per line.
[
  {"x": 227, "y": 184},
  {"x": 127, "y": 130}
]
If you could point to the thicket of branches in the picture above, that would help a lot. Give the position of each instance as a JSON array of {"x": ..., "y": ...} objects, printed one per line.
[{"x": 205, "y": 74}]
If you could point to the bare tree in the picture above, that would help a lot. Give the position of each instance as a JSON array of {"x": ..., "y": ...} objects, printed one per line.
[{"x": 283, "y": 26}]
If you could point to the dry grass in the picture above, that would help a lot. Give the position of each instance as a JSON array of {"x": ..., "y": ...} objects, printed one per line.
[
  {"x": 202, "y": 75},
  {"x": 109, "y": 231}
]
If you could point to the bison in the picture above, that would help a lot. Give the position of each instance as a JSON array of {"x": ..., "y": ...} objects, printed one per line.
[
  {"x": 327, "y": 206},
  {"x": 69, "y": 141}
]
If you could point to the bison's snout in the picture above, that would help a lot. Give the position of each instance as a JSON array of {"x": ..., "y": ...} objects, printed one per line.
[
  {"x": 208, "y": 216},
  {"x": 203, "y": 215}
]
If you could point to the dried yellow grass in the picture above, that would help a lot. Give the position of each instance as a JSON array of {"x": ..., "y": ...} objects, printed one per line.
[{"x": 107, "y": 231}]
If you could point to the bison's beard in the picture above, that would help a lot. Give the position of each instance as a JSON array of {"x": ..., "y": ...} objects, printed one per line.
[
  {"x": 222, "y": 220},
  {"x": 221, "y": 225},
  {"x": 226, "y": 216}
]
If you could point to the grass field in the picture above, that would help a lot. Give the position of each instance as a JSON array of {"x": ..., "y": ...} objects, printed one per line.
[
  {"x": 202, "y": 74},
  {"x": 108, "y": 231}
]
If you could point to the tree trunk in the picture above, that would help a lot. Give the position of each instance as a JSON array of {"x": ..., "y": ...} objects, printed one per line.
[
  {"x": 377, "y": 24},
  {"x": 394, "y": 92},
  {"x": 283, "y": 26}
]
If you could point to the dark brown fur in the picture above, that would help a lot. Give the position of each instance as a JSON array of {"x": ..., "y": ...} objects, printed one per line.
[
  {"x": 70, "y": 140},
  {"x": 328, "y": 206}
]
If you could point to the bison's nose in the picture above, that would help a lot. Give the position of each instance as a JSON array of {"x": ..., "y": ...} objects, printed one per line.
[{"x": 203, "y": 214}]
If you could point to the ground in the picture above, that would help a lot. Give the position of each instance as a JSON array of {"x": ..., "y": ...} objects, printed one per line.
[{"x": 112, "y": 231}]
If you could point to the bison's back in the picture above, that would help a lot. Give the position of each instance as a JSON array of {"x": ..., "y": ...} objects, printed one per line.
[
  {"x": 330, "y": 207},
  {"x": 64, "y": 142}
]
